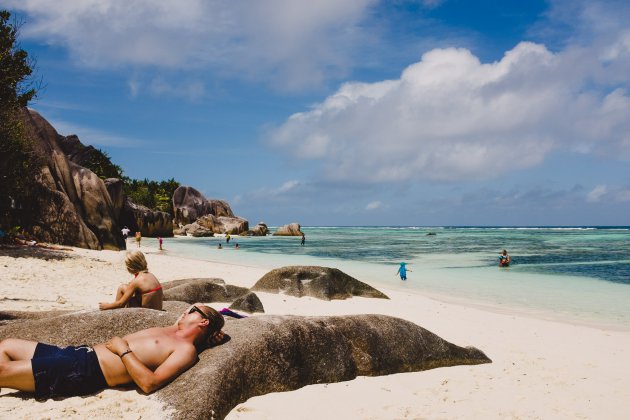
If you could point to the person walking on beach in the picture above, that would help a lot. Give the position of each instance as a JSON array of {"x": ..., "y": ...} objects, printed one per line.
[
  {"x": 138, "y": 238},
  {"x": 160, "y": 242},
  {"x": 150, "y": 358},
  {"x": 303, "y": 239},
  {"x": 504, "y": 259},
  {"x": 402, "y": 270},
  {"x": 144, "y": 290},
  {"x": 125, "y": 232},
  {"x": 227, "y": 238}
]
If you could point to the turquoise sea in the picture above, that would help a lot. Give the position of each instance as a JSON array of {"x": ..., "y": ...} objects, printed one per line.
[{"x": 574, "y": 274}]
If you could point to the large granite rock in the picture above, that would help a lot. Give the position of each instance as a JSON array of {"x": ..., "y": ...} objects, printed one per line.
[
  {"x": 292, "y": 229},
  {"x": 189, "y": 205},
  {"x": 249, "y": 302},
  {"x": 194, "y": 229},
  {"x": 7, "y": 317},
  {"x": 265, "y": 354},
  {"x": 115, "y": 189},
  {"x": 223, "y": 224},
  {"x": 320, "y": 282},
  {"x": 201, "y": 290},
  {"x": 72, "y": 205},
  {"x": 211, "y": 290},
  {"x": 150, "y": 223},
  {"x": 260, "y": 229}
]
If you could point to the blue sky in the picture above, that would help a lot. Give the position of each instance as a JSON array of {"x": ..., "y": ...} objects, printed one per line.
[{"x": 361, "y": 112}]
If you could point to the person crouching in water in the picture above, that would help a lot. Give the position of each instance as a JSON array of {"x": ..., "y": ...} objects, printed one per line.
[{"x": 144, "y": 290}]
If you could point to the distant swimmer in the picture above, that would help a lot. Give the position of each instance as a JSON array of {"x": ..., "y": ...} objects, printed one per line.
[
  {"x": 220, "y": 246},
  {"x": 504, "y": 259},
  {"x": 303, "y": 239},
  {"x": 402, "y": 270}
]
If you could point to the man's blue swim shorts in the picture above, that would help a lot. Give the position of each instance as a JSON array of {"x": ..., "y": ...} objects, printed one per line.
[{"x": 66, "y": 371}]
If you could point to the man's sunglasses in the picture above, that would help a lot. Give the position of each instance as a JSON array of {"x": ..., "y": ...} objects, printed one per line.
[{"x": 195, "y": 309}]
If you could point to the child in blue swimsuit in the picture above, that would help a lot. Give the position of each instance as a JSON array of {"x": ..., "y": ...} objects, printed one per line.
[{"x": 402, "y": 270}]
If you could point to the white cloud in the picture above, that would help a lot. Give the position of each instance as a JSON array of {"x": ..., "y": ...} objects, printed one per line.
[
  {"x": 596, "y": 193},
  {"x": 288, "y": 186},
  {"x": 451, "y": 117},
  {"x": 285, "y": 191},
  {"x": 293, "y": 44},
  {"x": 374, "y": 205}
]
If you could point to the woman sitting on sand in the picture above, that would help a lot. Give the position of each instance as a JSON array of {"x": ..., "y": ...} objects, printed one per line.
[{"x": 144, "y": 290}]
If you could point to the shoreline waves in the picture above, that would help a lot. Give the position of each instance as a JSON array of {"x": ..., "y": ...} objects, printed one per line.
[{"x": 541, "y": 368}]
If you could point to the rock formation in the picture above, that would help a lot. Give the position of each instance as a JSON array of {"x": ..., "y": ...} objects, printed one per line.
[
  {"x": 260, "y": 229},
  {"x": 150, "y": 223},
  {"x": 189, "y": 205},
  {"x": 115, "y": 189},
  {"x": 194, "y": 229},
  {"x": 223, "y": 224},
  {"x": 320, "y": 282},
  {"x": 72, "y": 205},
  {"x": 211, "y": 290},
  {"x": 249, "y": 302},
  {"x": 292, "y": 229},
  {"x": 265, "y": 353}
]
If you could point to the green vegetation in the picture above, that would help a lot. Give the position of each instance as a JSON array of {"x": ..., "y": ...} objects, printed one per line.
[
  {"x": 152, "y": 194},
  {"x": 18, "y": 161},
  {"x": 156, "y": 195},
  {"x": 99, "y": 162}
]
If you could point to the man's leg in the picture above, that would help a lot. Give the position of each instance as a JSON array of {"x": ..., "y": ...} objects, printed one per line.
[
  {"x": 15, "y": 349},
  {"x": 15, "y": 364},
  {"x": 17, "y": 375}
]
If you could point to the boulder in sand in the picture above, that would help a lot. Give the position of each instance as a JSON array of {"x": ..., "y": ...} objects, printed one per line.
[
  {"x": 309, "y": 280},
  {"x": 211, "y": 290},
  {"x": 249, "y": 302},
  {"x": 265, "y": 353}
]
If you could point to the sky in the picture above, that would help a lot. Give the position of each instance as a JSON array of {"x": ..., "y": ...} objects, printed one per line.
[{"x": 351, "y": 113}]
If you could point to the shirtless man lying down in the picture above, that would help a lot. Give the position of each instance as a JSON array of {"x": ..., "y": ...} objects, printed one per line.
[{"x": 151, "y": 358}]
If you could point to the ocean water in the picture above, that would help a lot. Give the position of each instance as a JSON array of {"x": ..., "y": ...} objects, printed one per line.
[{"x": 575, "y": 274}]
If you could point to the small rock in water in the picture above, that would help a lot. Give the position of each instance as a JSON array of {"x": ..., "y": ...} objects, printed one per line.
[{"x": 61, "y": 300}]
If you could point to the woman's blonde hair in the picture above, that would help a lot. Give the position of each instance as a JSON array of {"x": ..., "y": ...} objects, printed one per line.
[{"x": 135, "y": 262}]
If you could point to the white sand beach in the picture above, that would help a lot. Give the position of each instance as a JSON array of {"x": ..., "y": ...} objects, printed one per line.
[{"x": 541, "y": 369}]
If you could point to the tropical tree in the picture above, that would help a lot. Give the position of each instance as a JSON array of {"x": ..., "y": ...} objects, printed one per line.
[{"x": 18, "y": 160}]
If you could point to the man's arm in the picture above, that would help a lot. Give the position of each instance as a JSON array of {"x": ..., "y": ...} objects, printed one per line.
[{"x": 174, "y": 365}]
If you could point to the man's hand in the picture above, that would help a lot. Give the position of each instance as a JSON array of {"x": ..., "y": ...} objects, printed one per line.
[
  {"x": 216, "y": 338},
  {"x": 103, "y": 306},
  {"x": 117, "y": 345}
]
